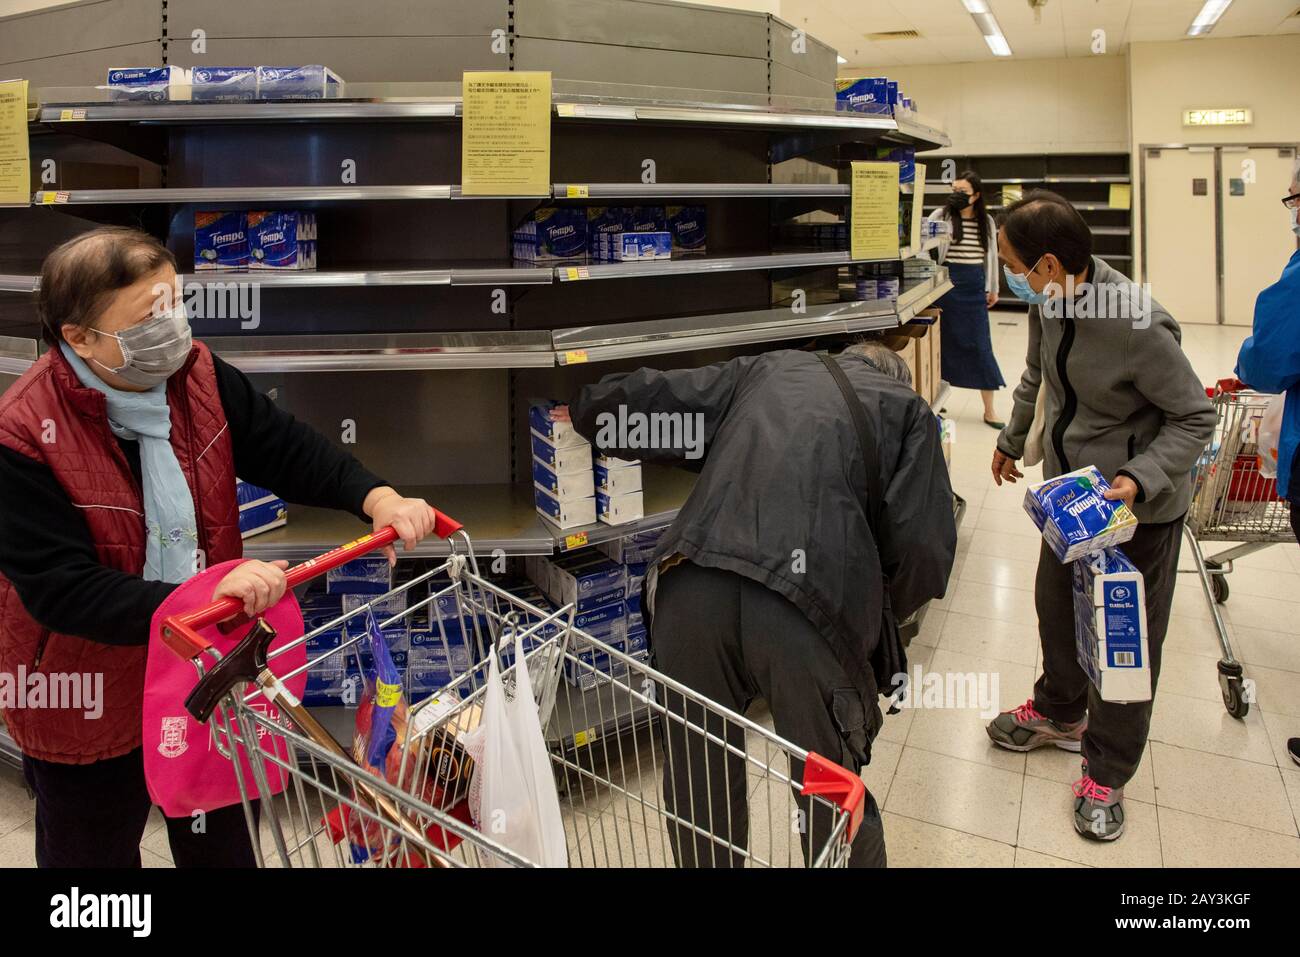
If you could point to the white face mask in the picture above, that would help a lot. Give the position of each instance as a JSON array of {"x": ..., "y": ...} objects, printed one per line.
[
  {"x": 1295, "y": 220},
  {"x": 153, "y": 350}
]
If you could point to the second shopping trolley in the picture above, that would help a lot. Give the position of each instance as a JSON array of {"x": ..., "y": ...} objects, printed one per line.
[{"x": 1232, "y": 501}]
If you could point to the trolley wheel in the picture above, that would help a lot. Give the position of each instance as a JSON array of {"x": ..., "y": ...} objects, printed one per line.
[
  {"x": 1231, "y": 685},
  {"x": 1218, "y": 582}
]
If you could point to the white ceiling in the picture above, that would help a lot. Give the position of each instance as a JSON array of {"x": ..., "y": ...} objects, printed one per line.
[{"x": 949, "y": 35}]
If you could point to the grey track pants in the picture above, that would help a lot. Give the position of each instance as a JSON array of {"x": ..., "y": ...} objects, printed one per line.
[
  {"x": 1117, "y": 733},
  {"x": 732, "y": 640}
]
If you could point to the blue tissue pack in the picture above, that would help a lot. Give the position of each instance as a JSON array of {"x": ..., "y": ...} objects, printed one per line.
[
  {"x": 314, "y": 82},
  {"x": 276, "y": 240},
  {"x": 867, "y": 94},
  {"x": 1074, "y": 518},
  {"x": 1111, "y": 625},
  {"x": 635, "y": 246},
  {"x": 223, "y": 84},
  {"x": 220, "y": 240},
  {"x": 144, "y": 82},
  {"x": 688, "y": 225},
  {"x": 552, "y": 233}
]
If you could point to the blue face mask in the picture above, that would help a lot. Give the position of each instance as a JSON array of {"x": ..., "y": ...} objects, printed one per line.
[{"x": 1020, "y": 288}]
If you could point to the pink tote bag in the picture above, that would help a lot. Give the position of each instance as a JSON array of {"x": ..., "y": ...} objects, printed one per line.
[{"x": 182, "y": 766}]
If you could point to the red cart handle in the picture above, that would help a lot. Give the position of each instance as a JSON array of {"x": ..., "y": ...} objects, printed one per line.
[
  {"x": 827, "y": 779},
  {"x": 181, "y": 632}
]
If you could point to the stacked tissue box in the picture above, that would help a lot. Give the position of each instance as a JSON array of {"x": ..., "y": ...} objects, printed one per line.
[
  {"x": 1111, "y": 625},
  {"x": 562, "y": 475},
  {"x": 1082, "y": 529},
  {"x": 596, "y": 586},
  {"x": 1074, "y": 517},
  {"x": 618, "y": 490}
]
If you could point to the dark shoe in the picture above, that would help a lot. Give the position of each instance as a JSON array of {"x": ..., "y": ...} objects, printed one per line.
[
  {"x": 1023, "y": 729},
  {"x": 995, "y": 425},
  {"x": 1293, "y": 749}
]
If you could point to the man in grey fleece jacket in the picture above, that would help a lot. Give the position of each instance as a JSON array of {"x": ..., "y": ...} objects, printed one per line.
[{"x": 1120, "y": 394}]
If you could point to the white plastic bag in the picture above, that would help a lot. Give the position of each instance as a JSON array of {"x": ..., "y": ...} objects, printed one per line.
[
  {"x": 512, "y": 795},
  {"x": 1270, "y": 434}
]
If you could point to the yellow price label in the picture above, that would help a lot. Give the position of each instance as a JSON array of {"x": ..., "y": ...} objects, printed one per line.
[
  {"x": 573, "y": 273},
  {"x": 65, "y": 115},
  {"x": 53, "y": 197},
  {"x": 576, "y": 191},
  {"x": 585, "y": 737},
  {"x": 566, "y": 109},
  {"x": 576, "y": 540},
  {"x": 575, "y": 356},
  {"x": 386, "y": 695}
]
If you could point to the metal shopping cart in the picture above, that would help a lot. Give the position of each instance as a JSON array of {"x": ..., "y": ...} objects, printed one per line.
[
  {"x": 1233, "y": 502},
  {"x": 636, "y": 727}
]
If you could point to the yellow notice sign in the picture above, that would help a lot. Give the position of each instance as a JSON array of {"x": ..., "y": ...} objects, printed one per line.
[
  {"x": 873, "y": 229},
  {"x": 506, "y": 134},
  {"x": 15, "y": 154},
  {"x": 918, "y": 206},
  {"x": 1121, "y": 196}
]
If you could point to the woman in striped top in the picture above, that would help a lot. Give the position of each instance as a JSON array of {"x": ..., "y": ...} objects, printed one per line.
[{"x": 971, "y": 256}]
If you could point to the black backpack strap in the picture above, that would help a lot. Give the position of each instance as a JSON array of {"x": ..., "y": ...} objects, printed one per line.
[
  {"x": 870, "y": 452},
  {"x": 890, "y": 658}
]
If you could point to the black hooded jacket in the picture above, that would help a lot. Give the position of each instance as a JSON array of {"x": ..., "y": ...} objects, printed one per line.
[{"x": 781, "y": 489}]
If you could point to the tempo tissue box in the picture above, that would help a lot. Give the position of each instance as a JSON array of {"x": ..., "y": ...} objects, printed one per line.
[
  {"x": 1074, "y": 518},
  {"x": 1110, "y": 626}
]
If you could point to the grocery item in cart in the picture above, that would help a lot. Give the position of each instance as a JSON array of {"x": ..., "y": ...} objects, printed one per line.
[
  {"x": 1110, "y": 621},
  {"x": 381, "y": 709},
  {"x": 1075, "y": 518}
]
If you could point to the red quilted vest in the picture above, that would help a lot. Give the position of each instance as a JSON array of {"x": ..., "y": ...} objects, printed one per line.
[{"x": 91, "y": 467}]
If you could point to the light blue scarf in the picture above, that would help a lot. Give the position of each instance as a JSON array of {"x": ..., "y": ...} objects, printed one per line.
[{"x": 172, "y": 538}]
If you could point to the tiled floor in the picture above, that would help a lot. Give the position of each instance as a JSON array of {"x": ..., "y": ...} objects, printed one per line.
[{"x": 1211, "y": 791}]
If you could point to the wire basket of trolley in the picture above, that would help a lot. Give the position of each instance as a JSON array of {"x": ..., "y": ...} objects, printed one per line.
[
  {"x": 629, "y": 787},
  {"x": 1235, "y": 499}
]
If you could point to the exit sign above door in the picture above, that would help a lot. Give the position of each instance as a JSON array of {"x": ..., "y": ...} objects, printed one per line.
[{"x": 1233, "y": 116}]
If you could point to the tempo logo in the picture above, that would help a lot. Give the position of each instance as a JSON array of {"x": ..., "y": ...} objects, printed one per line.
[{"x": 76, "y": 910}]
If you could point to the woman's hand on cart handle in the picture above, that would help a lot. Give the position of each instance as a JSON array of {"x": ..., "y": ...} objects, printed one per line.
[
  {"x": 259, "y": 585},
  {"x": 412, "y": 518},
  {"x": 1004, "y": 467}
]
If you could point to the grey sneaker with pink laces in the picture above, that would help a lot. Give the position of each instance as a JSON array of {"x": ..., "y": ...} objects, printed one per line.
[
  {"x": 1024, "y": 728},
  {"x": 1098, "y": 810}
]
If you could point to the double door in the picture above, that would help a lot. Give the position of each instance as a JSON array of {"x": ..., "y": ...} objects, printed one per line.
[{"x": 1213, "y": 231}]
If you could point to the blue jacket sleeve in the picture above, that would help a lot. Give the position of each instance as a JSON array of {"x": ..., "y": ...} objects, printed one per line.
[{"x": 1269, "y": 360}]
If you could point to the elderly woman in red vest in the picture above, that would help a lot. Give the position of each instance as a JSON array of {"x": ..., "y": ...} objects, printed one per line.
[{"x": 118, "y": 455}]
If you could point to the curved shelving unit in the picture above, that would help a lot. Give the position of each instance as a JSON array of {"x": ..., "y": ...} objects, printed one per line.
[
  {"x": 699, "y": 190},
  {"x": 516, "y": 349},
  {"x": 424, "y": 109}
]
